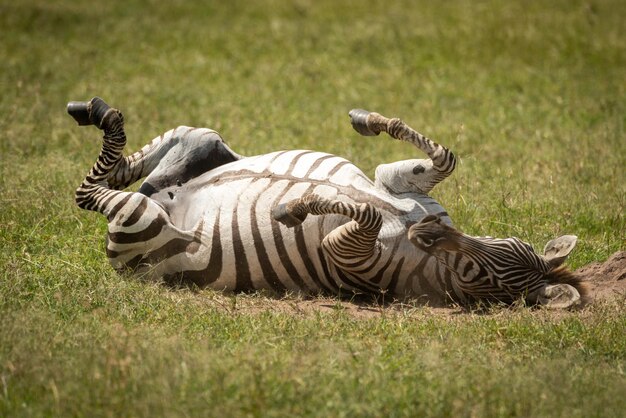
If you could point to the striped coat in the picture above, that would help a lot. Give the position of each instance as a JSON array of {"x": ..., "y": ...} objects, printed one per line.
[{"x": 298, "y": 220}]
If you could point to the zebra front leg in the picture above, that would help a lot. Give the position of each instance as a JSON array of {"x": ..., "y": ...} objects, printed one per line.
[
  {"x": 410, "y": 175},
  {"x": 349, "y": 246}
]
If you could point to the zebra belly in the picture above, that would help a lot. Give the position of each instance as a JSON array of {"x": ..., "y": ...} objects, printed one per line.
[
  {"x": 237, "y": 244},
  {"x": 242, "y": 247}
]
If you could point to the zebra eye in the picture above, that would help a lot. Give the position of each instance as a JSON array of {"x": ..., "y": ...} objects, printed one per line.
[{"x": 429, "y": 218}]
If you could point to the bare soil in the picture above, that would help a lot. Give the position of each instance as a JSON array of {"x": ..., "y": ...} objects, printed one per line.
[{"x": 606, "y": 280}]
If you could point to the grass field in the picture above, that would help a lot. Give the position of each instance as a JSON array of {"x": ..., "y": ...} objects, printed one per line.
[{"x": 530, "y": 96}]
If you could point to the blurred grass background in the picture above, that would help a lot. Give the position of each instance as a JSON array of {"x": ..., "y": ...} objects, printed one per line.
[{"x": 529, "y": 95}]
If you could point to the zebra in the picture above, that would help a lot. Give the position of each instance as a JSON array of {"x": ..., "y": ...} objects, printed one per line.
[{"x": 304, "y": 221}]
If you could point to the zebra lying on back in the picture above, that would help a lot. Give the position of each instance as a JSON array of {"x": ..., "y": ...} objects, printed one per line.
[{"x": 304, "y": 221}]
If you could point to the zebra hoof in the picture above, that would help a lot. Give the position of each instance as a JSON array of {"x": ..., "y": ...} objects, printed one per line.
[
  {"x": 358, "y": 119},
  {"x": 80, "y": 112},
  {"x": 282, "y": 215},
  {"x": 88, "y": 113}
]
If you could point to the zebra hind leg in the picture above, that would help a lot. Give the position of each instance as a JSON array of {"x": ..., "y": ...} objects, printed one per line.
[
  {"x": 111, "y": 160},
  {"x": 190, "y": 151},
  {"x": 409, "y": 175},
  {"x": 92, "y": 112},
  {"x": 94, "y": 192}
]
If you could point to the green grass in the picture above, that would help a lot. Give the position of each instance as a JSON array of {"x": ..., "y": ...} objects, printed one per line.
[{"x": 529, "y": 95}]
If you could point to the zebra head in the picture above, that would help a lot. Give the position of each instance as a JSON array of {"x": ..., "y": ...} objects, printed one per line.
[{"x": 502, "y": 269}]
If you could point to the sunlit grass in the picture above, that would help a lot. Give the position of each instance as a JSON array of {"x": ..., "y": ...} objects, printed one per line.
[{"x": 529, "y": 95}]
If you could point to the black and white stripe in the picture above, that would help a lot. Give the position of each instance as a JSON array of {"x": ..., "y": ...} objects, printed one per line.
[
  {"x": 498, "y": 269},
  {"x": 290, "y": 220}
]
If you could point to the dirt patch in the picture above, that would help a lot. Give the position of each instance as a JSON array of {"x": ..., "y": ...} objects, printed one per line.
[
  {"x": 606, "y": 280},
  {"x": 360, "y": 309},
  {"x": 307, "y": 306}
]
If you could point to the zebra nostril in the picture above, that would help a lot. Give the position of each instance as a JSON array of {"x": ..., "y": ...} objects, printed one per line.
[
  {"x": 419, "y": 239},
  {"x": 429, "y": 218},
  {"x": 426, "y": 242}
]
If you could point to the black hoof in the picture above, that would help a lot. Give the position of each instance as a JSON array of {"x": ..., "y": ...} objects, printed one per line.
[
  {"x": 88, "y": 113},
  {"x": 282, "y": 215},
  {"x": 358, "y": 118},
  {"x": 80, "y": 112}
]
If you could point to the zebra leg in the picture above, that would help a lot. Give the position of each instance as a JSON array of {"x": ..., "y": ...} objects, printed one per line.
[
  {"x": 174, "y": 157},
  {"x": 140, "y": 232},
  {"x": 349, "y": 246},
  {"x": 94, "y": 192},
  {"x": 410, "y": 175}
]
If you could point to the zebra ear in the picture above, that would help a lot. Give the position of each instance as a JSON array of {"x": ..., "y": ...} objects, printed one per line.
[
  {"x": 556, "y": 251},
  {"x": 559, "y": 296}
]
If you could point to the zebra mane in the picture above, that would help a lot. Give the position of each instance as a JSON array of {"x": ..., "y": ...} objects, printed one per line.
[{"x": 562, "y": 274}]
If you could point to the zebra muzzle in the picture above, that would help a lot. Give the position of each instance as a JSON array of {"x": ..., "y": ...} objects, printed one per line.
[{"x": 429, "y": 231}]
